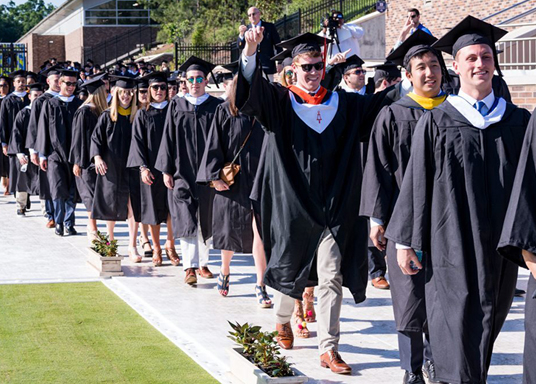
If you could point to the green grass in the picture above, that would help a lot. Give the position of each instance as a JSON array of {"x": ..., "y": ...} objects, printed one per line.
[{"x": 83, "y": 333}]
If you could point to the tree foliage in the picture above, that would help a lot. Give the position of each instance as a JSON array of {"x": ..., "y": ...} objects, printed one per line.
[{"x": 16, "y": 20}]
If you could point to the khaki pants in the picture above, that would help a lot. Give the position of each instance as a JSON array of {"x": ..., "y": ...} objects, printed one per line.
[
  {"x": 22, "y": 200},
  {"x": 329, "y": 293},
  {"x": 195, "y": 252}
]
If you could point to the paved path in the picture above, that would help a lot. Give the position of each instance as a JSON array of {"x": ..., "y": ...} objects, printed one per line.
[{"x": 195, "y": 318}]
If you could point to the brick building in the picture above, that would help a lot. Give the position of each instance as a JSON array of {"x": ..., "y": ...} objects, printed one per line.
[{"x": 112, "y": 27}]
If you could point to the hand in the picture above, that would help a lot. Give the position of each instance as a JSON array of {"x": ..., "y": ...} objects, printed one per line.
[
  {"x": 339, "y": 57},
  {"x": 43, "y": 163},
  {"x": 77, "y": 171},
  {"x": 100, "y": 166},
  {"x": 147, "y": 177},
  {"x": 34, "y": 157},
  {"x": 220, "y": 185},
  {"x": 4, "y": 149},
  {"x": 404, "y": 258},
  {"x": 23, "y": 160},
  {"x": 242, "y": 29},
  {"x": 253, "y": 38},
  {"x": 377, "y": 233},
  {"x": 168, "y": 181}
]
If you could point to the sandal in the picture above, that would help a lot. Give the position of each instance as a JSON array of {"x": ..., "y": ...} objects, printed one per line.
[
  {"x": 300, "y": 326},
  {"x": 157, "y": 258},
  {"x": 171, "y": 254},
  {"x": 309, "y": 308},
  {"x": 146, "y": 246},
  {"x": 262, "y": 297},
  {"x": 133, "y": 255},
  {"x": 223, "y": 284}
]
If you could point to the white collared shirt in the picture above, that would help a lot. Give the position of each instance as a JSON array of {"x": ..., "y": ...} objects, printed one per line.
[{"x": 489, "y": 100}]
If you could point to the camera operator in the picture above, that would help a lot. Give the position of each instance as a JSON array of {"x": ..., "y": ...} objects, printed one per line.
[{"x": 348, "y": 35}]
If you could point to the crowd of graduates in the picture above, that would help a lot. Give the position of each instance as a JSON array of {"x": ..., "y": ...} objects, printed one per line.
[{"x": 434, "y": 167}]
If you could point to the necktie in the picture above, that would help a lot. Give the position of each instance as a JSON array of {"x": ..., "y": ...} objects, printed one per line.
[{"x": 481, "y": 107}]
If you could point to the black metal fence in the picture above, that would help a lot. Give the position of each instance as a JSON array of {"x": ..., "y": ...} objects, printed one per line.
[
  {"x": 12, "y": 57},
  {"x": 122, "y": 46},
  {"x": 306, "y": 20}
]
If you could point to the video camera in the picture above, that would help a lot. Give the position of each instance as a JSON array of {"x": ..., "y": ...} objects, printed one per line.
[{"x": 331, "y": 21}]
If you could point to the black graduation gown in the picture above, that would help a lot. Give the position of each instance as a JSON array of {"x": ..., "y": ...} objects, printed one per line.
[
  {"x": 452, "y": 205},
  {"x": 31, "y": 137},
  {"x": 11, "y": 105},
  {"x": 311, "y": 182},
  {"x": 232, "y": 212},
  {"x": 25, "y": 181},
  {"x": 112, "y": 142},
  {"x": 180, "y": 153},
  {"x": 147, "y": 131},
  {"x": 519, "y": 232},
  {"x": 54, "y": 135},
  {"x": 84, "y": 122},
  {"x": 388, "y": 156}
]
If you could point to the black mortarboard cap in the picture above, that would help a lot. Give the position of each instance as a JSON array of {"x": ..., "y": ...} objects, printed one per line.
[
  {"x": 19, "y": 73},
  {"x": 36, "y": 87},
  {"x": 69, "y": 73},
  {"x": 306, "y": 42},
  {"x": 352, "y": 62},
  {"x": 172, "y": 81},
  {"x": 195, "y": 63},
  {"x": 471, "y": 31},
  {"x": 32, "y": 75},
  {"x": 155, "y": 77},
  {"x": 94, "y": 83},
  {"x": 416, "y": 43},
  {"x": 143, "y": 84},
  {"x": 386, "y": 69},
  {"x": 124, "y": 81},
  {"x": 54, "y": 70}
]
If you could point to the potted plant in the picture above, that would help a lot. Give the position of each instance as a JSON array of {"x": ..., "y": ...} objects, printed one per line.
[
  {"x": 257, "y": 358},
  {"x": 103, "y": 256}
]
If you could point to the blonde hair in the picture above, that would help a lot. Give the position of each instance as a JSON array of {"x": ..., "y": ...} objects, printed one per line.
[
  {"x": 150, "y": 97},
  {"x": 114, "y": 105},
  {"x": 97, "y": 101}
]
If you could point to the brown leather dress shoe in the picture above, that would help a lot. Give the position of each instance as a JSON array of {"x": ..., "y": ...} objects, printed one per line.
[
  {"x": 380, "y": 283},
  {"x": 190, "y": 277},
  {"x": 171, "y": 254},
  {"x": 285, "y": 337},
  {"x": 333, "y": 361},
  {"x": 205, "y": 273},
  {"x": 51, "y": 224}
]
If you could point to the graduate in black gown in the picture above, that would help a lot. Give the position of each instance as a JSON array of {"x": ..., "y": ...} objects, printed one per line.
[
  {"x": 179, "y": 159},
  {"x": 148, "y": 128},
  {"x": 52, "y": 78},
  {"x": 27, "y": 180},
  {"x": 452, "y": 205},
  {"x": 5, "y": 89},
  {"x": 84, "y": 122},
  {"x": 388, "y": 156},
  {"x": 233, "y": 134},
  {"x": 117, "y": 189},
  {"x": 311, "y": 180},
  {"x": 11, "y": 105},
  {"x": 53, "y": 142},
  {"x": 519, "y": 237}
]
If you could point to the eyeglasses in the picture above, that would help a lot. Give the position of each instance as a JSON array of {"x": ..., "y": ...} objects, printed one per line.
[
  {"x": 198, "y": 79},
  {"x": 142, "y": 91},
  {"x": 289, "y": 73},
  {"x": 252, "y": 14},
  {"x": 358, "y": 72},
  {"x": 156, "y": 87},
  {"x": 308, "y": 67},
  {"x": 4, "y": 85},
  {"x": 69, "y": 84}
]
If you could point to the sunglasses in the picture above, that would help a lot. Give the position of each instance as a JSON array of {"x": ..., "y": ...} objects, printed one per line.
[
  {"x": 4, "y": 85},
  {"x": 182, "y": 82},
  {"x": 198, "y": 79},
  {"x": 289, "y": 73},
  {"x": 142, "y": 91},
  {"x": 359, "y": 72},
  {"x": 413, "y": 16},
  {"x": 308, "y": 67},
  {"x": 69, "y": 84},
  {"x": 156, "y": 87}
]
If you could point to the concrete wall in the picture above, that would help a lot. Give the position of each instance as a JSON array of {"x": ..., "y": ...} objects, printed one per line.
[{"x": 372, "y": 44}]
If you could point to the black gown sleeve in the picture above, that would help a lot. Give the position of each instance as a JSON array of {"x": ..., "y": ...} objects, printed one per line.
[
  {"x": 167, "y": 160},
  {"x": 411, "y": 219},
  {"x": 98, "y": 139},
  {"x": 214, "y": 156},
  {"x": 16, "y": 142},
  {"x": 35, "y": 113},
  {"x": 138, "y": 155},
  {"x": 82, "y": 128},
  {"x": 379, "y": 183},
  {"x": 42, "y": 142},
  {"x": 519, "y": 228},
  {"x": 4, "y": 120}
]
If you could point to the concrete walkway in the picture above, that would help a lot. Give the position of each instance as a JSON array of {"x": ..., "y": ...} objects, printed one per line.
[{"x": 195, "y": 318}]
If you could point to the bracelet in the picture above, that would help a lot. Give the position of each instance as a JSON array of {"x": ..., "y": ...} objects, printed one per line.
[{"x": 143, "y": 168}]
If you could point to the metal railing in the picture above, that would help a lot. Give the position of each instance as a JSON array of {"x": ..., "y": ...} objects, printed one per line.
[
  {"x": 12, "y": 57},
  {"x": 122, "y": 46},
  {"x": 213, "y": 53},
  {"x": 519, "y": 53}
]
